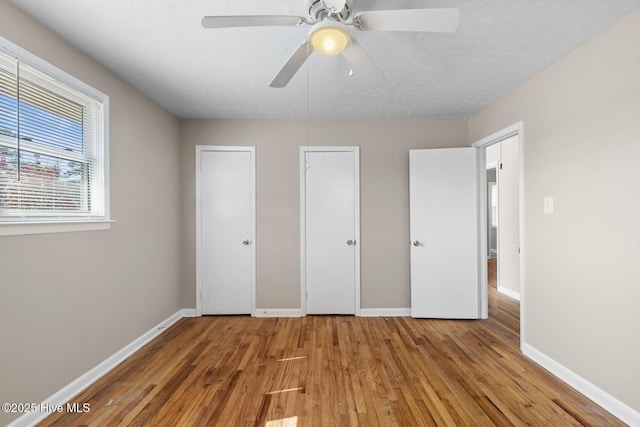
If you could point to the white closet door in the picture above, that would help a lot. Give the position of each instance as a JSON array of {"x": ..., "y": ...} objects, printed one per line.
[
  {"x": 330, "y": 232},
  {"x": 227, "y": 236}
]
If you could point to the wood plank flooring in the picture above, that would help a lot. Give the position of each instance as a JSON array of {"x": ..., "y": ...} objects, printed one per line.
[
  {"x": 492, "y": 269},
  {"x": 335, "y": 371}
]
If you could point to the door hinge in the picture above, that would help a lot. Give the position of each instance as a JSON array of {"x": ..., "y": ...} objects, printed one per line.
[{"x": 500, "y": 165}]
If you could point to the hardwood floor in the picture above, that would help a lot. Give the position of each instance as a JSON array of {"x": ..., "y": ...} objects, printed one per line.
[
  {"x": 335, "y": 370},
  {"x": 492, "y": 268}
]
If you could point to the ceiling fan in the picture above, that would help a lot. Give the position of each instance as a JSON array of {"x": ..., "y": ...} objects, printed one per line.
[{"x": 329, "y": 33}]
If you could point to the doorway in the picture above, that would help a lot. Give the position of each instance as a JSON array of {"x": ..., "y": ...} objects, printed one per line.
[
  {"x": 492, "y": 220},
  {"x": 492, "y": 209},
  {"x": 503, "y": 214},
  {"x": 225, "y": 230},
  {"x": 502, "y": 151},
  {"x": 330, "y": 230}
]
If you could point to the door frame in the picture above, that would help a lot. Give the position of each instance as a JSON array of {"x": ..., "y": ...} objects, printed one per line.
[
  {"x": 501, "y": 135},
  {"x": 224, "y": 148},
  {"x": 303, "y": 218}
]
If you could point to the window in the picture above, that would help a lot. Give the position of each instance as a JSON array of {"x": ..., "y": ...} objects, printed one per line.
[{"x": 52, "y": 143}]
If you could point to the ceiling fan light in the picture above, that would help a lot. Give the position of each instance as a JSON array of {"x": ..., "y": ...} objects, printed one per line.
[{"x": 329, "y": 37}]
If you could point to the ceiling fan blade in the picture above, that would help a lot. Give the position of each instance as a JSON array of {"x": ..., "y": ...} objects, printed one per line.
[
  {"x": 252, "y": 21},
  {"x": 361, "y": 63},
  {"x": 292, "y": 66},
  {"x": 420, "y": 20}
]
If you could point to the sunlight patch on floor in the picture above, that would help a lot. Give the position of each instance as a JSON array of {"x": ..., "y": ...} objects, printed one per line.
[
  {"x": 286, "y": 390},
  {"x": 292, "y": 358},
  {"x": 283, "y": 422}
]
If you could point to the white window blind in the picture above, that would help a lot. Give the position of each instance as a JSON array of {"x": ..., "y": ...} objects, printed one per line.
[{"x": 52, "y": 148}]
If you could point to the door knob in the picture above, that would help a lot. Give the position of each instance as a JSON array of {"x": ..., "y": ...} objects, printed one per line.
[
  {"x": 416, "y": 243},
  {"x": 350, "y": 242},
  {"x": 246, "y": 242}
]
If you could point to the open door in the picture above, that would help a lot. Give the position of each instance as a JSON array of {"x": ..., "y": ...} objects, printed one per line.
[{"x": 444, "y": 233}]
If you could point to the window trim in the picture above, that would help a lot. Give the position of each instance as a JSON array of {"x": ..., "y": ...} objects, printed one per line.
[{"x": 54, "y": 224}]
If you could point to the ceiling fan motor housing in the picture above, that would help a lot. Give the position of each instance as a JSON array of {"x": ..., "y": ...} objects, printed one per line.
[{"x": 318, "y": 11}]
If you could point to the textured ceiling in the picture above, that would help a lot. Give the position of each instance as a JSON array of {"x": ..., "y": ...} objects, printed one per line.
[{"x": 159, "y": 47}]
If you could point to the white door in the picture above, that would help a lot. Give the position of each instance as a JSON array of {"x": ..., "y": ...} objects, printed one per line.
[
  {"x": 444, "y": 233},
  {"x": 226, "y": 229},
  {"x": 330, "y": 230}
]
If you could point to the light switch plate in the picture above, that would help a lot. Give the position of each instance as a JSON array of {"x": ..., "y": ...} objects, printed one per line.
[{"x": 548, "y": 205}]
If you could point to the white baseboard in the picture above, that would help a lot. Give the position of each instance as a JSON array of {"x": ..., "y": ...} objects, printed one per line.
[
  {"x": 188, "y": 312},
  {"x": 364, "y": 312},
  {"x": 385, "y": 312},
  {"x": 69, "y": 391},
  {"x": 508, "y": 292},
  {"x": 599, "y": 396},
  {"x": 278, "y": 312}
]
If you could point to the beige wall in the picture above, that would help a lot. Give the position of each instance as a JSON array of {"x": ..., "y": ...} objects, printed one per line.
[
  {"x": 384, "y": 162},
  {"x": 582, "y": 146},
  {"x": 57, "y": 325}
]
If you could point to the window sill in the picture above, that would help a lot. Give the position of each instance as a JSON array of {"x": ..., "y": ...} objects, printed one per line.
[{"x": 43, "y": 227}]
